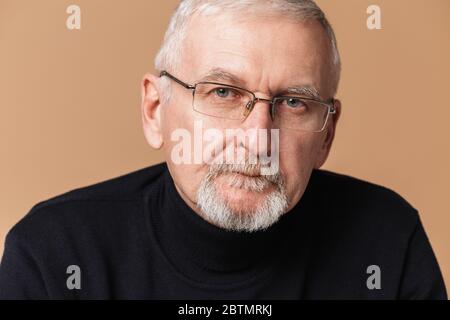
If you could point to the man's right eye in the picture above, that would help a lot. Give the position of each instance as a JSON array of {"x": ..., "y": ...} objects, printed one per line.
[
  {"x": 222, "y": 92},
  {"x": 294, "y": 103},
  {"x": 225, "y": 93}
]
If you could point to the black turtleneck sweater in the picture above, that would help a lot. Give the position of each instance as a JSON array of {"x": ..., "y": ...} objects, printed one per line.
[{"x": 133, "y": 237}]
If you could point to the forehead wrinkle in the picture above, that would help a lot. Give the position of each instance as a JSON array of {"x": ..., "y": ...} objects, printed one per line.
[{"x": 220, "y": 74}]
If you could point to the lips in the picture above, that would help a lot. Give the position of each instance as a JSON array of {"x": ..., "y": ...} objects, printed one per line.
[
  {"x": 243, "y": 180},
  {"x": 248, "y": 174}
]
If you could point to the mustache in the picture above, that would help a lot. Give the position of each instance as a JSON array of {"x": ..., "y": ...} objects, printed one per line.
[{"x": 255, "y": 179}]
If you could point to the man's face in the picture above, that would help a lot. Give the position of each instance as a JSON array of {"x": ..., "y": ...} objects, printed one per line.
[{"x": 269, "y": 54}]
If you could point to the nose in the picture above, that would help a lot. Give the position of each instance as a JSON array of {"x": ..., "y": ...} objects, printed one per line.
[
  {"x": 258, "y": 114},
  {"x": 259, "y": 121}
]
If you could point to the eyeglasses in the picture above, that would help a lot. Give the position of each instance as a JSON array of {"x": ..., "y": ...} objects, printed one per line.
[{"x": 234, "y": 103}]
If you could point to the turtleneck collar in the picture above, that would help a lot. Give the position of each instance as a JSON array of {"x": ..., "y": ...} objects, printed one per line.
[{"x": 201, "y": 250}]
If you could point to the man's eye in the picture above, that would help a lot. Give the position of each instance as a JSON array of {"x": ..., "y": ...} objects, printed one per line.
[
  {"x": 294, "y": 103},
  {"x": 224, "y": 92}
]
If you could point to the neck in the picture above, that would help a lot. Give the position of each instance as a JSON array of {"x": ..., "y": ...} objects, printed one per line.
[{"x": 200, "y": 249}]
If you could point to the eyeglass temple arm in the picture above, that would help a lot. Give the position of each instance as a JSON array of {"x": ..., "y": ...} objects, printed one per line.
[
  {"x": 184, "y": 84},
  {"x": 332, "y": 102}
]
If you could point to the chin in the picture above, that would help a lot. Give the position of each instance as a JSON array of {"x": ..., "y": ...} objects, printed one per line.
[
  {"x": 239, "y": 199},
  {"x": 243, "y": 205}
]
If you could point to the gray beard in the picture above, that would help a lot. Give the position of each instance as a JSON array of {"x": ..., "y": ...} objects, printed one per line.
[{"x": 215, "y": 209}]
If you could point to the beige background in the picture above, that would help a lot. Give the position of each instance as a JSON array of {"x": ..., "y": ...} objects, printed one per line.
[{"x": 69, "y": 100}]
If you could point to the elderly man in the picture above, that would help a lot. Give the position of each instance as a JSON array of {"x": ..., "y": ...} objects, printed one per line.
[{"x": 243, "y": 216}]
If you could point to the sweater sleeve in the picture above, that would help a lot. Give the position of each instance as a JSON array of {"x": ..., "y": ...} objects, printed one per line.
[
  {"x": 20, "y": 277},
  {"x": 422, "y": 278}
]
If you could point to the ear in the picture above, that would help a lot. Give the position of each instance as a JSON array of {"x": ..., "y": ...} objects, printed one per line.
[
  {"x": 151, "y": 110},
  {"x": 329, "y": 136}
]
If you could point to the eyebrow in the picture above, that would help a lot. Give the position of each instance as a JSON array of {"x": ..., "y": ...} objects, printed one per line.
[
  {"x": 304, "y": 90},
  {"x": 219, "y": 74}
]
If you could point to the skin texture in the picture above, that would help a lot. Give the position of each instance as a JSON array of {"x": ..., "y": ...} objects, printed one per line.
[{"x": 269, "y": 54}]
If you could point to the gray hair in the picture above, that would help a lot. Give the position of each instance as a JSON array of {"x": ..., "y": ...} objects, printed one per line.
[
  {"x": 216, "y": 209},
  {"x": 168, "y": 57}
]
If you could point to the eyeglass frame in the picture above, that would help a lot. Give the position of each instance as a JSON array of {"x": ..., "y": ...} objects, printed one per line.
[{"x": 330, "y": 103}]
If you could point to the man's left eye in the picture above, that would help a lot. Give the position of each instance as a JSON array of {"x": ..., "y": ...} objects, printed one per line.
[
  {"x": 294, "y": 103},
  {"x": 224, "y": 92}
]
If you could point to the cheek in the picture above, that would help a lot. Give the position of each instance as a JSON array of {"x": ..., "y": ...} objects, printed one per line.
[
  {"x": 298, "y": 150},
  {"x": 176, "y": 115},
  {"x": 298, "y": 153},
  {"x": 179, "y": 116},
  {"x": 187, "y": 178}
]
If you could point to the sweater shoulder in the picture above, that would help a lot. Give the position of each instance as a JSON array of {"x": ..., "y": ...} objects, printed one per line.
[
  {"x": 124, "y": 187},
  {"x": 364, "y": 199},
  {"x": 108, "y": 200}
]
